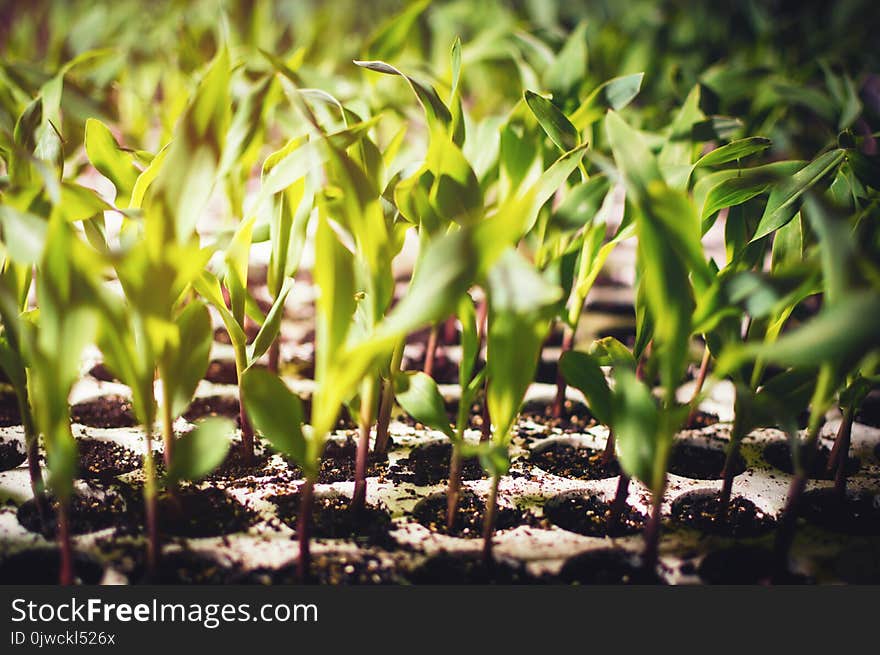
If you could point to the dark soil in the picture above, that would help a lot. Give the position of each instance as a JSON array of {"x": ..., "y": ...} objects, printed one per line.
[
  {"x": 338, "y": 463},
  {"x": 221, "y": 372},
  {"x": 42, "y": 566},
  {"x": 454, "y": 569},
  {"x": 587, "y": 514},
  {"x": 100, "y": 459},
  {"x": 698, "y": 462},
  {"x": 858, "y": 514},
  {"x": 185, "y": 567},
  {"x": 445, "y": 370},
  {"x": 701, "y": 419},
  {"x": 88, "y": 513},
  {"x": 575, "y": 416},
  {"x": 570, "y": 461},
  {"x": 102, "y": 373},
  {"x": 9, "y": 414},
  {"x": 104, "y": 412},
  {"x": 869, "y": 412},
  {"x": 859, "y": 565},
  {"x": 699, "y": 510},
  {"x": 208, "y": 512},
  {"x": 235, "y": 466},
  {"x": 330, "y": 569},
  {"x": 737, "y": 565},
  {"x": 606, "y": 567},
  {"x": 428, "y": 464},
  {"x": 332, "y": 518},
  {"x": 778, "y": 455},
  {"x": 431, "y": 512},
  {"x": 11, "y": 455},
  {"x": 213, "y": 406}
]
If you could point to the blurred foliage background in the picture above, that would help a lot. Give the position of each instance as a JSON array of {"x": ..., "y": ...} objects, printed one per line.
[{"x": 797, "y": 72}]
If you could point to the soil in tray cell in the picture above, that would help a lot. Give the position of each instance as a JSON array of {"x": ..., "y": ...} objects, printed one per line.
[
  {"x": 857, "y": 514},
  {"x": 9, "y": 414},
  {"x": 587, "y": 514},
  {"x": 431, "y": 512},
  {"x": 338, "y": 463},
  {"x": 103, "y": 374},
  {"x": 101, "y": 459},
  {"x": 213, "y": 406},
  {"x": 701, "y": 419},
  {"x": 237, "y": 465},
  {"x": 42, "y": 566},
  {"x": 185, "y": 567},
  {"x": 11, "y": 454},
  {"x": 104, "y": 412},
  {"x": 428, "y": 464},
  {"x": 105, "y": 508},
  {"x": 571, "y": 461},
  {"x": 699, "y": 510},
  {"x": 332, "y": 518},
  {"x": 459, "y": 569},
  {"x": 744, "y": 564},
  {"x": 208, "y": 512},
  {"x": 606, "y": 566},
  {"x": 575, "y": 416},
  {"x": 698, "y": 462},
  {"x": 221, "y": 372},
  {"x": 778, "y": 455},
  {"x": 330, "y": 569}
]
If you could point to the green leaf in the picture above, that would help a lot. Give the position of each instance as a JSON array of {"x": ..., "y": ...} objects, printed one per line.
[
  {"x": 276, "y": 412},
  {"x": 783, "y": 202},
  {"x": 840, "y": 334},
  {"x": 615, "y": 94},
  {"x": 569, "y": 67},
  {"x": 583, "y": 372},
  {"x": 112, "y": 161},
  {"x": 555, "y": 123},
  {"x": 436, "y": 112},
  {"x": 733, "y": 151},
  {"x": 271, "y": 326},
  {"x": 200, "y": 451},
  {"x": 608, "y": 351},
  {"x": 418, "y": 395},
  {"x": 392, "y": 36},
  {"x": 24, "y": 235},
  {"x": 186, "y": 362},
  {"x": 637, "y": 430},
  {"x": 636, "y": 162}
]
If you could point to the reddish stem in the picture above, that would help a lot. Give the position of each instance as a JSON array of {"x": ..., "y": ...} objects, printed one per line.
[
  {"x": 430, "y": 351},
  {"x": 489, "y": 520},
  {"x": 304, "y": 529},
  {"x": 652, "y": 534},
  {"x": 788, "y": 521},
  {"x": 701, "y": 379},
  {"x": 386, "y": 404},
  {"x": 609, "y": 454},
  {"x": 359, "y": 497},
  {"x": 454, "y": 488},
  {"x": 247, "y": 432},
  {"x": 844, "y": 437},
  {"x": 486, "y": 420},
  {"x": 727, "y": 474},
  {"x": 559, "y": 401},
  {"x": 275, "y": 355},
  {"x": 618, "y": 504},
  {"x": 66, "y": 574}
]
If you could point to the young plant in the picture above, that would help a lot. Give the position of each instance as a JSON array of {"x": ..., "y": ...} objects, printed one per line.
[{"x": 521, "y": 304}]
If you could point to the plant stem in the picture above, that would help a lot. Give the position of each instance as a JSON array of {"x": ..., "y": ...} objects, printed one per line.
[
  {"x": 153, "y": 546},
  {"x": 788, "y": 521},
  {"x": 66, "y": 574},
  {"x": 701, "y": 379},
  {"x": 652, "y": 533},
  {"x": 386, "y": 403},
  {"x": 31, "y": 446},
  {"x": 167, "y": 425},
  {"x": 304, "y": 529},
  {"x": 559, "y": 401},
  {"x": 608, "y": 454},
  {"x": 359, "y": 497},
  {"x": 841, "y": 444},
  {"x": 275, "y": 355},
  {"x": 453, "y": 489},
  {"x": 430, "y": 352},
  {"x": 486, "y": 425},
  {"x": 489, "y": 520},
  {"x": 618, "y": 504},
  {"x": 247, "y": 430}
]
